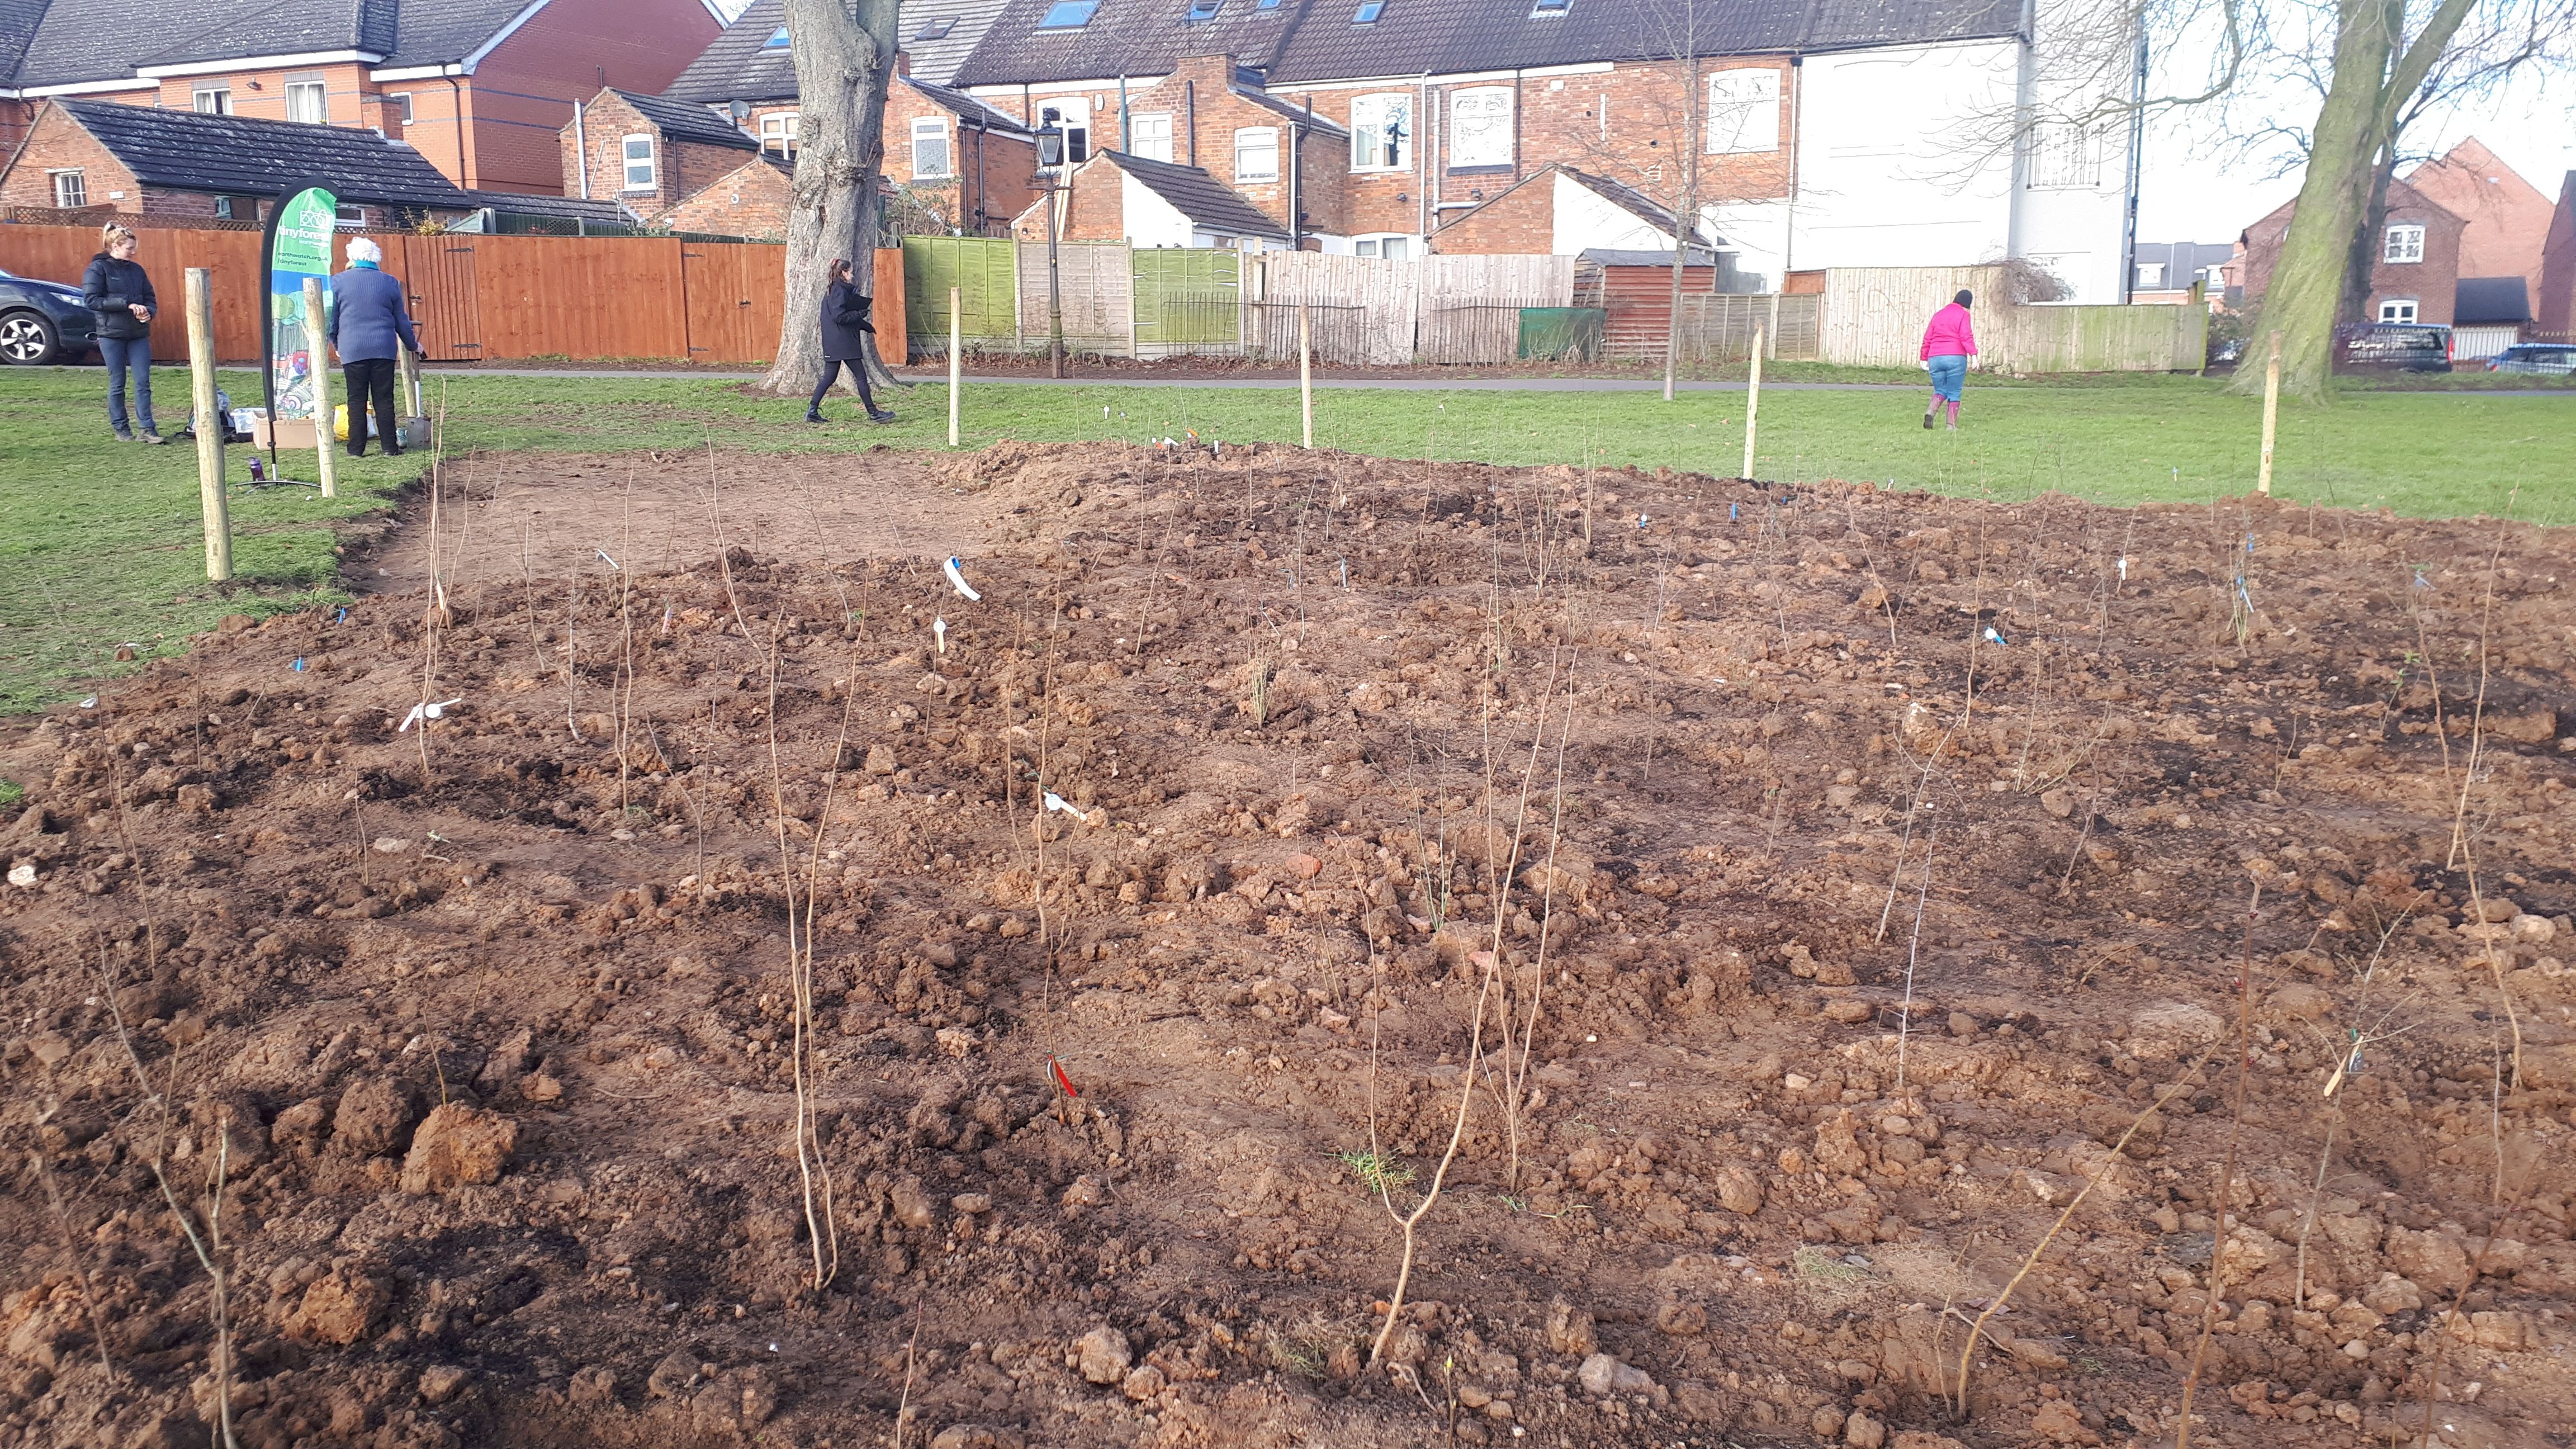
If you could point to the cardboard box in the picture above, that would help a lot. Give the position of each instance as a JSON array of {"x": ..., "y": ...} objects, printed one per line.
[{"x": 292, "y": 433}]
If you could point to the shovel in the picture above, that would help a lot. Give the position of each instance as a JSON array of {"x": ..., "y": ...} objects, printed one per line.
[{"x": 414, "y": 431}]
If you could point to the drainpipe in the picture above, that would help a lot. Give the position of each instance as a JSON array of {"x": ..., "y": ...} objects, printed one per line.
[
  {"x": 1797, "y": 157},
  {"x": 1126, "y": 133},
  {"x": 1190, "y": 110},
  {"x": 456, "y": 112},
  {"x": 1296, "y": 179},
  {"x": 580, "y": 148}
]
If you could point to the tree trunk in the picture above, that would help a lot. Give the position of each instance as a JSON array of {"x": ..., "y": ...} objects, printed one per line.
[
  {"x": 2356, "y": 125},
  {"x": 844, "y": 52},
  {"x": 1685, "y": 218},
  {"x": 2366, "y": 241}
]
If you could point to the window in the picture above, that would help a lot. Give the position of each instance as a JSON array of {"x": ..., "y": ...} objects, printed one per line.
[
  {"x": 2151, "y": 274},
  {"x": 777, "y": 39},
  {"x": 1073, "y": 114},
  {"x": 929, "y": 148},
  {"x": 1480, "y": 127},
  {"x": 1743, "y": 112},
  {"x": 1368, "y": 12},
  {"x": 1068, "y": 14},
  {"x": 399, "y": 102},
  {"x": 1392, "y": 248},
  {"x": 936, "y": 29},
  {"x": 2405, "y": 244},
  {"x": 2398, "y": 309},
  {"x": 2064, "y": 155},
  {"x": 1205, "y": 9},
  {"x": 778, "y": 133},
  {"x": 1549, "y": 7},
  {"x": 1381, "y": 133},
  {"x": 215, "y": 100},
  {"x": 1265, "y": 4},
  {"x": 306, "y": 102},
  {"x": 71, "y": 188},
  {"x": 223, "y": 208},
  {"x": 1256, "y": 153},
  {"x": 1150, "y": 136},
  {"x": 639, "y": 164},
  {"x": 349, "y": 217}
]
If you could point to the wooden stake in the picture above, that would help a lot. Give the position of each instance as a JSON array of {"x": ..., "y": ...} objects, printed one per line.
[
  {"x": 210, "y": 426},
  {"x": 2271, "y": 415},
  {"x": 956, "y": 362},
  {"x": 317, "y": 346},
  {"x": 406, "y": 383},
  {"x": 1306, "y": 371},
  {"x": 1752, "y": 402}
]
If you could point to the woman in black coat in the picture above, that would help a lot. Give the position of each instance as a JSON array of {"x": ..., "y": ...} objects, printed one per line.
[
  {"x": 116, "y": 289},
  {"x": 845, "y": 319}
]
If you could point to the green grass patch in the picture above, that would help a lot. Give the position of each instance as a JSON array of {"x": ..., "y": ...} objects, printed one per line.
[
  {"x": 11, "y": 792},
  {"x": 1376, "y": 1171},
  {"x": 101, "y": 546}
]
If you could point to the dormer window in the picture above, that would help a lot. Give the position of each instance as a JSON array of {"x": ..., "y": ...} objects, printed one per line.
[
  {"x": 1368, "y": 12},
  {"x": 1069, "y": 14},
  {"x": 777, "y": 39}
]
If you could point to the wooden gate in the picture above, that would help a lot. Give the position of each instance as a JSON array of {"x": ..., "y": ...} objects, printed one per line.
[
  {"x": 727, "y": 322},
  {"x": 438, "y": 273}
]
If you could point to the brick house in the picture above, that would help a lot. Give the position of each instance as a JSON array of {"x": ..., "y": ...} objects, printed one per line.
[
  {"x": 646, "y": 153},
  {"x": 1150, "y": 203},
  {"x": 2415, "y": 272},
  {"x": 1437, "y": 107},
  {"x": 476, "y": 87},
  {"x": 968, "y": 166},
  {"x": 1563, "y": 210},
  {"x": 2504, "y": 219},
  {"x": 2554, "y": 312},
  {"x": 141, "y": 161}
]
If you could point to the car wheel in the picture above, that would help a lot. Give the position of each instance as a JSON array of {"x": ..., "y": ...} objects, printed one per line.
[{"x": 28, "y": 339}]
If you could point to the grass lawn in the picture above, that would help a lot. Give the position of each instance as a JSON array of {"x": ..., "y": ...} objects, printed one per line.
[{"x": 100, "y": 542}]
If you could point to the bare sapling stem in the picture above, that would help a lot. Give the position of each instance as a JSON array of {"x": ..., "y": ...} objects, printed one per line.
[
  {"x": 1516, "y": 1070},
  {"x": 1485, "y": 989},
  {"x": 2226, "y": 1172},
  {"x": 72, "y": 1250},
  {"x": 822, "y": 1234},
  {"x": 1913, "y": 951},
  {"x": 2173, "y": 1089}
]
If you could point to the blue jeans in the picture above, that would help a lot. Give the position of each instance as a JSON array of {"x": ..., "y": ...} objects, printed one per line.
[
  {"x": 121, "y": 355},
  {"x": 1949, "y": 375}
]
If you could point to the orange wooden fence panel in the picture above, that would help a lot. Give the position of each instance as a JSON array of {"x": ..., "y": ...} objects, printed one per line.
[
  {"x": 492, "y": 298},
  {"x": 888, "y": 313}
]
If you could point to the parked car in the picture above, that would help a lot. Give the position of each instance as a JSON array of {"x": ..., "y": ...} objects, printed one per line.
[
  {"x": 2399, "y": 347},
  {"x": 42, "y": 322},
  {"x": 2555, "y": 359}
]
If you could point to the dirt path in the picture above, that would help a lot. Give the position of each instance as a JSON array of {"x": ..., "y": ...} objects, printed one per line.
[{"x": 492, "y": 1020}]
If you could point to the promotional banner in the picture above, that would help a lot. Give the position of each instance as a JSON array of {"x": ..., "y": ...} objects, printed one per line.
[{"x": 299, "y": 246}]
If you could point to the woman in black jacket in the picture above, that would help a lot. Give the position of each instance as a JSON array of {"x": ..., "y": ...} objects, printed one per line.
[
  {"x": 845, "y": 318},
  {"x": 116, "y": 289}
]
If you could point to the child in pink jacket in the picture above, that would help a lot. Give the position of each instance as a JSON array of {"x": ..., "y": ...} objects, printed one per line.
[{"x": 1948, "y": 343}]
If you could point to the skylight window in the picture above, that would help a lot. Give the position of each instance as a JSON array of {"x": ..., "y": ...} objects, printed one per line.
[
  {"x": 1549, "y": 7},
  {"x": 1265, "y": 4},
  {"x": 777, "y": 39},
  {"x": 1069, "y": 14},
  {"x": 1368, "y": 12},
  {"x": 935, "y": 29},
  {"x": 1201, "y": 10}
]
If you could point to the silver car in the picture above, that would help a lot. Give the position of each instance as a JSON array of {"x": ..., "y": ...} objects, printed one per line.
[{"x": 2555, "y": 359}]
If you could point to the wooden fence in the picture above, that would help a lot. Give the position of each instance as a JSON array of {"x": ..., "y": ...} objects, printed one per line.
[
  {"x": 492, "y": 298},
  {"x": 1874, "y": 317}
]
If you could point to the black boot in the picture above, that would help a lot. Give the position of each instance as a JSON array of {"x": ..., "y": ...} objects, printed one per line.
[
  {"x": 815, "y": 415},
  {"x": 880, "y": 415}
]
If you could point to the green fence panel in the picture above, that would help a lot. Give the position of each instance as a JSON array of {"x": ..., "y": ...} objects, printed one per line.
[
  {"x": 985, "y": 273},
  {"x": 1562, "y": 333},
  {"x": 1188, "y": 300}
]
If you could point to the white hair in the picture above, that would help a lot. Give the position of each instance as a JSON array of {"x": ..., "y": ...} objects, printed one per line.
[{"x": 363, "y": 250}]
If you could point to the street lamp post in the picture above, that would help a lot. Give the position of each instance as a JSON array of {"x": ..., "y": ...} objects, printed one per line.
[{"x": 1051, "y": 159}]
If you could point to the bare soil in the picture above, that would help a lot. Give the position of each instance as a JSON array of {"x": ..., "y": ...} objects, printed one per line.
[{"x": 1857, "y": 871}]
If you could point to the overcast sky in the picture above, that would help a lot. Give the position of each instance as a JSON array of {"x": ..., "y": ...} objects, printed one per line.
[{"x": 2194, "y": 189}]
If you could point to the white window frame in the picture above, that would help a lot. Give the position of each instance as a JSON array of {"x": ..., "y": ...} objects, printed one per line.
[
  {"x": 1481, "y": 118},
  {"x": 1369, "y": 124},
  {"x": 1251, "y": 142},
  {"x": 1375, "y": 244},
  {"x": 2151, "y": 276},
  {"x": 1143, "y": 138},
  {"x": 2404, "y": 242},
  {"x": 778, "y": 132},
  {"x": 348, "y": 216},
  {"x": 1744, "y": 111},
  {"x": 932, "y": 129},
  {"x": 1073, "y": 113},
  {"x": 652, "y": 162},
  {"x": 320, "y": 92},
  {"x": 71, "y": 188},
  {"x": 2405, "y": 311},
  {"x": 2065, "y": 156},
  {"x": 212, "y": 100},
  {"x": 400, "y": 102}
]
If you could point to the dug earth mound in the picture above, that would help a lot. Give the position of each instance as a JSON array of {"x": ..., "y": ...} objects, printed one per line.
[{"x": 1798, "y": 933}]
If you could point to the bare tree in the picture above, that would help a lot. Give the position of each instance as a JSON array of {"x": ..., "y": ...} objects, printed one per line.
[{"x": 844, "y": 52}]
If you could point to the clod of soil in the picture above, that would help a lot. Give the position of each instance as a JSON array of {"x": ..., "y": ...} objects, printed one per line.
[{"x": 1085, "y": 977}]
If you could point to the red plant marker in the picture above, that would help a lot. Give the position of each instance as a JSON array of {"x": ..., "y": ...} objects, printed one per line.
[{"x": 1061, "y": 1079}]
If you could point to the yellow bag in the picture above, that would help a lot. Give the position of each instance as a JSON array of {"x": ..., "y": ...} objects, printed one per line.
[{"x": 340, "y": 422}]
